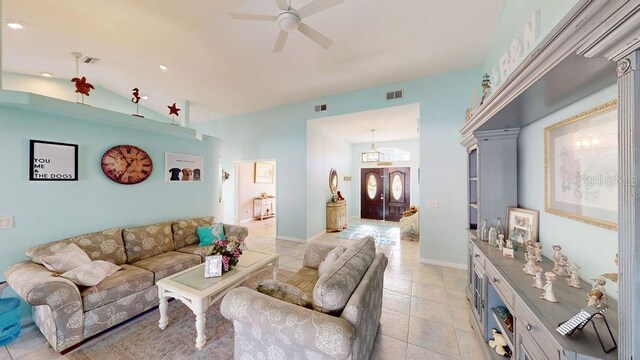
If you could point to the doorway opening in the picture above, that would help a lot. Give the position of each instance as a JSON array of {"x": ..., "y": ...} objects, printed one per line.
[
  {"x": 384, "y": 193},
  {"x": 256, "y": 196}
]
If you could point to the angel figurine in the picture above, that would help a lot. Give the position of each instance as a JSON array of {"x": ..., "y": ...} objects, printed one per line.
[
  {"x": 548, "y": 294},
  {"x": 560, "y": 265},
  {"x": 529, "y": 266},
  {"x": 573, "y": 279},
  {"x": 557, "y": 252},
  {"x": 537, "y": 277},
  {"x": 537, "y": 250}
]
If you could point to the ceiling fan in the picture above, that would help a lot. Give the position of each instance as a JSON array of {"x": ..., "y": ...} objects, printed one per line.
[{"x": 290, "y": 19}]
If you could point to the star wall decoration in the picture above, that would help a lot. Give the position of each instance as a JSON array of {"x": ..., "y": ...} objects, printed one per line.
[{"x": 173, "y": 110}]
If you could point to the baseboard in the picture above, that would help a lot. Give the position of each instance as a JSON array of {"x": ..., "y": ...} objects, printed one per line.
[
  {"x": 316, "y": 235},
  {"x": 280, "y": 237},
  {"x": 245, "y": 220},
  {"x": 444, "y": 263}
]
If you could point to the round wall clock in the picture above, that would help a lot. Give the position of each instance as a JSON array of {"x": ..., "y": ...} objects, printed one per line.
[{"x": 127, "y": 164}]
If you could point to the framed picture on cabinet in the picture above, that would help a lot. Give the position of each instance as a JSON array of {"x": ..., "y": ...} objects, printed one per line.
[
  {"x": 53, "y": 161},
  {"x": 183, "y": 168},
  {"x": 524, "y": 222},
  {"x": 581, "y": 167}
]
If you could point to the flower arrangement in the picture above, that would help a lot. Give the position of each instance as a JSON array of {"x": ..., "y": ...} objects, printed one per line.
[{"x": 230, "y": 249}]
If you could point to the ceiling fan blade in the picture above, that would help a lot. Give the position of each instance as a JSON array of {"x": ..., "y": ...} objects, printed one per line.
[
  {"x": 317, "y": 6},
  {"x": 282, "y": 39},
  {"x": 282, "y": 4},
  {"x": 312, "y": 34},
  {"x": 237, "y": 16}
]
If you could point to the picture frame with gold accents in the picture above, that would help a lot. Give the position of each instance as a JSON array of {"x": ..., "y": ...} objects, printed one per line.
[{"x": 581, "y": 167}]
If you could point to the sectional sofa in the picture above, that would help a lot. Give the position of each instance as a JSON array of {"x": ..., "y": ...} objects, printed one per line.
[{"x": 67, "y": 314}]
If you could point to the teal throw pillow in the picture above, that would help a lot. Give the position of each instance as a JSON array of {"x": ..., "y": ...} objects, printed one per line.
[{"x": 210, "y": 234}]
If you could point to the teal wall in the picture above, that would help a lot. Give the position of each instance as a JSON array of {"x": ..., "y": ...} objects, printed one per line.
[
  {"x": 47, "y": 211},
  {"x": 515, "y": 14},
  {"x": 324, "y": 152},
  {"x": 579, "y": 241},
  {"x": 410, "y": 145},
  {"x": 280, "y": 133},
  {"x": 65, "y": 90}
]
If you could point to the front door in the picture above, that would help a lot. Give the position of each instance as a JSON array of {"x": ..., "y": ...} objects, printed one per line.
[
  {"x": 396, "y": 193},
  {"x": 384, "y": 193},
  {"x": 372, "y": 194}
]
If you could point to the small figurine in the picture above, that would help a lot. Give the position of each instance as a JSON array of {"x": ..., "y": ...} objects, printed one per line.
[
  {"x": 538, "y": 251},
  {"x": 135, "y": 92},
  {"x": 173, "y": 110},
  {"x": 548, "y": 294},
  {"x": 557, "y": 251},
  {"x": 340, "y": 197},
  {"x": 486, "y": 88},
  {"x": 598, "y": 286},
  {"x": 573, "y": 280},
  {"x": 501, "y": 242},
  {"x": 537, "y": 280},
  {"x": 529, "y": 267},
  {"x": 594, "y": 297},
  {"x": 82, "y": 86},
  {"x": 499, "y": 343}
]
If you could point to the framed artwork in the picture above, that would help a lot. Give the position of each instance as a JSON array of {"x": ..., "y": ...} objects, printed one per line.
[
  {"x": 213, "y": 266},
  {"x": 524, "y": 222},
  {"x": 53, "y": 161},
  {"x": 263, "y": 173},
  {"x": 581, "y": 167},
  {"x": 183, "y": 168}
]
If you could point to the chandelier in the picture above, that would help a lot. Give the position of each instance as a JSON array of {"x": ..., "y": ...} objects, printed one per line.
[{"x": 373, "y": 155}]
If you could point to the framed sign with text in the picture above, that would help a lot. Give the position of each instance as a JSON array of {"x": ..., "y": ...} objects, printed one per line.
[{"x": 52, "y": 161}]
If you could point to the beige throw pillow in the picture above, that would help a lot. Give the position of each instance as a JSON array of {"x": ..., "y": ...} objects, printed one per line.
[
  {"x": 91, "y": 274},
  {"x": 69, "y": 258},
  {"x": 284, "y": 292},
  {"x": 331, "y": 257}
]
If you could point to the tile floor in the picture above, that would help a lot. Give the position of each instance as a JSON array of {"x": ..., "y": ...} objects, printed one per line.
[{"x": 424, "y": 316}]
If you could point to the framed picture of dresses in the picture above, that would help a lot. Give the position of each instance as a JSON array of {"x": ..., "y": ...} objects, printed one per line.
[
  {"x": 581, "y": 167},
  {"x": 183, "y": 168},
  {"x": 523, "y": 222},
  {"x": 52, "y": 161}
]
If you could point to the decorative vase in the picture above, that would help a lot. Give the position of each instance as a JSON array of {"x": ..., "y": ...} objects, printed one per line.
[
  {"x": 499, "y": 227},
  {"x": 514, "y": 239},
  {"x": 493, "y": 237},
  {"x": 484, "y": 231}
]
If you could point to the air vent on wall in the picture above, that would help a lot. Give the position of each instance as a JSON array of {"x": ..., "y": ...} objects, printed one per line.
[
  {"x": 322, "y": 107},
  {"x": 397, "y": 94},
  {"x": 90, "y": 60}
]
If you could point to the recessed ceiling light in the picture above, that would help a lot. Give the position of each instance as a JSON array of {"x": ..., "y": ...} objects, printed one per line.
[
  {"x": 15, "y": 25},
  {"x": 163, "y": 67},
  {"x": 46, "y": 74},
  {"x": 144, "y": 97}
]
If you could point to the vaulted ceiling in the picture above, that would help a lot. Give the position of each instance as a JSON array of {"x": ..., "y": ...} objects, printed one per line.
[{"x": 226, "y": 67}]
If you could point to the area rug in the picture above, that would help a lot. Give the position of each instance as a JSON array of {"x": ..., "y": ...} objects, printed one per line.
[
  {"x": 141, "y": 338},
  {"x": 382, "y": 234}
]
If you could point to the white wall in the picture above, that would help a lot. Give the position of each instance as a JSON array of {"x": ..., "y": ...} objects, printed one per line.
[
  {"x": 410, "y": 145},
  {"x": 248, "y": 189},
  {"x": 591, "y": 247},
  {"x": 324, "y": 152}
]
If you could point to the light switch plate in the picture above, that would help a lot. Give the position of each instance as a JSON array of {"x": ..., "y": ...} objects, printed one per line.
[{"x": 6, "y": 222}]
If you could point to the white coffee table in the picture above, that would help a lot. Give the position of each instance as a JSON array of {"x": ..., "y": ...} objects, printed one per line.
[{"x": 198, "y": 293}]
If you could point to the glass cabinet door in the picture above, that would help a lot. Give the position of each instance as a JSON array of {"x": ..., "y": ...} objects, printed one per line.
[{"x": 477, "y": 293}]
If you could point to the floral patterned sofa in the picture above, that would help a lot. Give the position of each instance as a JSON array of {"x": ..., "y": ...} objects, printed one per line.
[
  {"x": 347, "y": 304},
  {"x": 68, "y": 314}
]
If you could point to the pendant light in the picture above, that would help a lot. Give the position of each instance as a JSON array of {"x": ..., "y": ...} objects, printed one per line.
[{"x": 372, "y": 155}]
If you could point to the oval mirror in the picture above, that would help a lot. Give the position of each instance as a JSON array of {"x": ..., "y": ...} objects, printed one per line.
[{"x": 333, "y": 181}]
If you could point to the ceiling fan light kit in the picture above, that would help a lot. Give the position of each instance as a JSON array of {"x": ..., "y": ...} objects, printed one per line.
[{"x": 290, "y": 20}]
